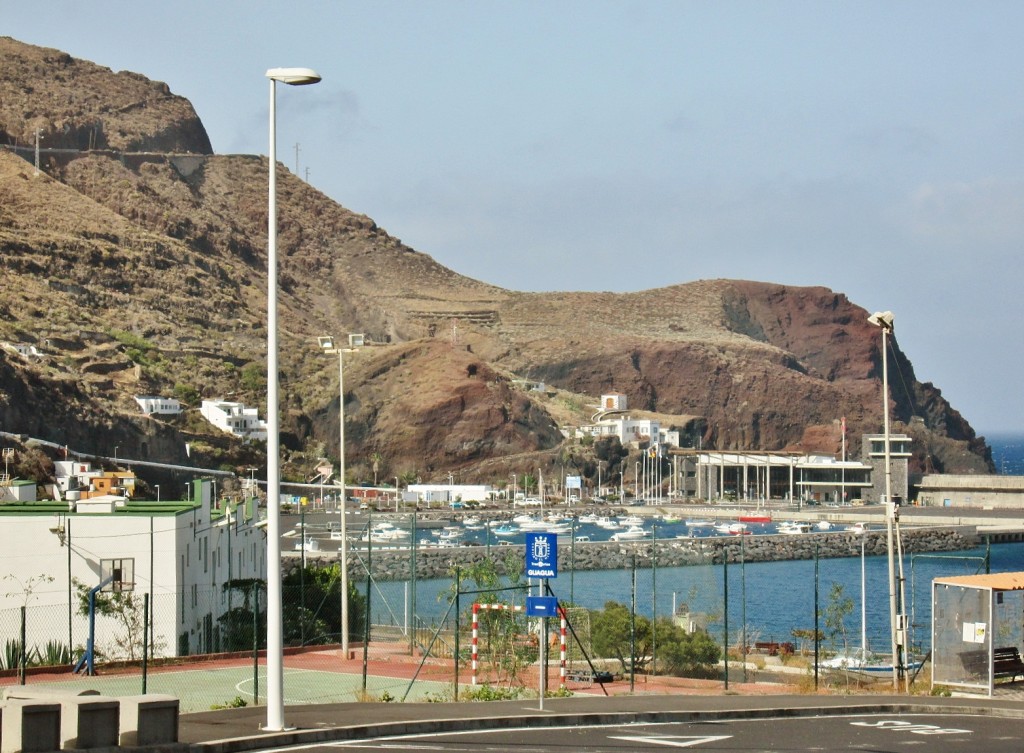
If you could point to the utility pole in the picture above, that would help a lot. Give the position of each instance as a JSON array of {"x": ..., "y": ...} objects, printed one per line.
[{"x": 297, "y": 147}]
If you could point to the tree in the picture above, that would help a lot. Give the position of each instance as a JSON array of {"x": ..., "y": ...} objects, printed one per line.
[
  {"x": 312, "y": 615},
  {"x": 610, "y": 631},
  {"x": 237, "y": 628},
  {"x": 126, "y": 608},
  {"x": 686, "y": 654},
  {"x": 529, "y": 483},
  {"x": 680, "y": 652},
  {"x": 839, "y": 607}
]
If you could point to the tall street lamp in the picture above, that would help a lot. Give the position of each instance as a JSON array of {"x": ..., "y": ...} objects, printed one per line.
[
  {"x": 327, "y": 344},
  {"x": 884, "y": 320},
  {"x": 275, "y": 619}
]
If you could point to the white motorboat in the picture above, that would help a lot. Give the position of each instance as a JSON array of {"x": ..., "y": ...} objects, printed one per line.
[
  {"x": 505, "y": 530},
  {"x": 632, "y": 533},
  {"x": 857, "y": 528},
  {"x": 632, "y": 520},
  {"x": 792, "y": 527}
]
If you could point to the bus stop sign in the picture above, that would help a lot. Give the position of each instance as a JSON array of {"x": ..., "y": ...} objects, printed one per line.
[{"x": 541, "y": 555}]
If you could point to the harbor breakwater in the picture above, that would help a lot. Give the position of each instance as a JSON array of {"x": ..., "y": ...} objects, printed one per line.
[{"x": 396, "y": 564}]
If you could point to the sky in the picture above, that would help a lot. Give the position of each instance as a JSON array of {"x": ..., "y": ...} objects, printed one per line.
[{"x": 874, "y": 148}]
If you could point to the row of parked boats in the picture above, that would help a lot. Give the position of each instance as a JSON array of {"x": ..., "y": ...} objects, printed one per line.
[{"x": 583, "y": 528}]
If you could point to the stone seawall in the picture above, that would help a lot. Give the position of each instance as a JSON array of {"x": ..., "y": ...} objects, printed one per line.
[{"x": 395, "y": 564}]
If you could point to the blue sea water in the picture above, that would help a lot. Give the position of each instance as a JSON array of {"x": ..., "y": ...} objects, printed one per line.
[
  {"x": 767, "y": 599},
  {"x": 1007, "y": 452}
]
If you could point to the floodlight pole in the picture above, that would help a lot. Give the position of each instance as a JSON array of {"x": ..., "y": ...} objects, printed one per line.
[
  {"x": 328, "y": 346},
  {"x": 885, "y": 322}
]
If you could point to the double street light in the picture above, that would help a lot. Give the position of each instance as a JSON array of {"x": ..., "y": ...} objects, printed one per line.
[
  {"x": 328, "y": 345},
  {"x": 275, "y": 618}
]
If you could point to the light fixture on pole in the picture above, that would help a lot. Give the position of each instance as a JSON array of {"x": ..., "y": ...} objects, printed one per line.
[
  {"x": 275, "y": 618},
  {"x": 884, "y": 320},
  {"x": 328, "y": 346}
]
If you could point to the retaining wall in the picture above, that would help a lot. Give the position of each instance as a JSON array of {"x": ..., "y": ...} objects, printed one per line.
[{"x": 394, "y": 564}]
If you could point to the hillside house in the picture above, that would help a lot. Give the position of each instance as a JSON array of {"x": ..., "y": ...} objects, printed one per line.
[
  {"x": 234, "y": 418},
  {"x": 153, "y": 405},
  {"x": 78, "y": 480},
  {"x": 180, "y": 553}
]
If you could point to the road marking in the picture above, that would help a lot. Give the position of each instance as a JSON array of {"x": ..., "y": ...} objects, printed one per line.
[
  {"x": 673, "y": 741},
  {"x": 898, "y": 725}
]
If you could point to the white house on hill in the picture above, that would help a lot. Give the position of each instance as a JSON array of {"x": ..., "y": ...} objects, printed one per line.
[
  {"x": 152, "y": 405},
  {"x": 234, "y": 418}
]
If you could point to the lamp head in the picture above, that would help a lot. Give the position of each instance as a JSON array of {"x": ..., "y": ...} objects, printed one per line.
[
  {"x": 327, "y": 343},
  {"x": 294, "y": 76},
  {"x": 883, "y": 319}
]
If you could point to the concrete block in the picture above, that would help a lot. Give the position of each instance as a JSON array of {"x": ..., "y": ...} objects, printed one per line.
[
  {"x": 45, "y": 692},
  {"x": 149, "y": 720},
  {"x": 30, "y": 726},
  {"x": 88, "y": 722}
]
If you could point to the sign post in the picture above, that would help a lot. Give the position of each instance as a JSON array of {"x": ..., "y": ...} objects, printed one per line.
[{"x": 542, "y": 562}]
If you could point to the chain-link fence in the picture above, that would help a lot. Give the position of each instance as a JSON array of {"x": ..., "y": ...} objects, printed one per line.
[{"x": 679, "y": 606}]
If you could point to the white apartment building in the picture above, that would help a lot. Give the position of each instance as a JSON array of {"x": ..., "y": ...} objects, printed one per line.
[
  {"x": 234, "y": 418},
  {"x": 153, "y": 405},
  {"x": 178, "y": 553}
]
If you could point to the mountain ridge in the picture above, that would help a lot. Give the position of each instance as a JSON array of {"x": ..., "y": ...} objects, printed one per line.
[{"x": 158, "y": 256}]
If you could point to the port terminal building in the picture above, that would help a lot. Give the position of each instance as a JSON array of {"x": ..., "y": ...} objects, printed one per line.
[{"x": 763, "y": 476}]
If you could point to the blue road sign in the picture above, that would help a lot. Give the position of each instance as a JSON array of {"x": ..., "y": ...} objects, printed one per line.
[
  {"x": 541, "y": 606},
  {"x": 541, "y": 555}
]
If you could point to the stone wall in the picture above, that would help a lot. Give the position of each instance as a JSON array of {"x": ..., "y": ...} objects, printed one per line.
[{"x": 394, "y": 564}]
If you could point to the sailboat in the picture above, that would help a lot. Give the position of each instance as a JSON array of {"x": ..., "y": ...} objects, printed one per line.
[{"x": 864, "y": 660}]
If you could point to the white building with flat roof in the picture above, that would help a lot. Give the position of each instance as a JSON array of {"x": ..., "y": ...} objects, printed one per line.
[
  {"x": 153, "y": 405},
  {"x": 234, "y": 418},
  {"x": 179, "y": 553}
]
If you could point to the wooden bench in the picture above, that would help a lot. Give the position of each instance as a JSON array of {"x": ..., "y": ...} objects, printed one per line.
[
  {"x": 1006, "y": 662},
  {"x": 587, "y": 676},
  {"x": 774, "y": 649}
]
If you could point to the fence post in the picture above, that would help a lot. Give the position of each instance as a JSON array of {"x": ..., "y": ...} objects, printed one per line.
[
  {"x": 817, "y": 635},
  {"x": 654, "y": 601},
  {"x": 255, "y": 644},
  {"x": 145, "y": 642},
  {"x": 412, "y": 590},
  {"x": 369, "y": 598},
  {"x": 23, "y": 652},
  {"x": 458, "y": 590},
  {"x": 725, "y": 610},
  {"x": 632, "y": 629}
]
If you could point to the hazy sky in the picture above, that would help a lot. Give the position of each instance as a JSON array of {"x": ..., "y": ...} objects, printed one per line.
[{"x": 874, "y": 148}]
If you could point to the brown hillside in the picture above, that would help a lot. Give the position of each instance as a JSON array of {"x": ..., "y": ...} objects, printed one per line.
[{"x": 146, "y": 273}]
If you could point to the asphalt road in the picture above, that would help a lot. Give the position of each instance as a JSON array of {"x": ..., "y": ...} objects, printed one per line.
[{"x": 951, "y": 733}]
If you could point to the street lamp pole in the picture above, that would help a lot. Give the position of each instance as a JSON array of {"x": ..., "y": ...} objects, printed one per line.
[
  {"x": 884, "y": 320},
  {"x": 328, "y": 346},
  {"x": 275, "y": 618}
]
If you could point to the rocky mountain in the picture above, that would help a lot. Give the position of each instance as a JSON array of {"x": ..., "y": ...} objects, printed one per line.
[{"x": 135, "y": 261}]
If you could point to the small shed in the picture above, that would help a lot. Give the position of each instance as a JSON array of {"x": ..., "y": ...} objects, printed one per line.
[{"x": 977, "y": 631}]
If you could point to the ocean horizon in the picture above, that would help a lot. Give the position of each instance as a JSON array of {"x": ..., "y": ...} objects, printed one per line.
[{"x": 1007, "y": 452}]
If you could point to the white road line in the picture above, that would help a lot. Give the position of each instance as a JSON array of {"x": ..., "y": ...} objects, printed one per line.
[{"x": 672, "y": 741}]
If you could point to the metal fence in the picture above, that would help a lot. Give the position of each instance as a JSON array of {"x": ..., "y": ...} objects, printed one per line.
[{"x": 411, "y": 620}]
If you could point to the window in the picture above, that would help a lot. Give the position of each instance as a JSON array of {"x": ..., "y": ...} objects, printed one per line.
[{"x": 121, "y": 573}]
